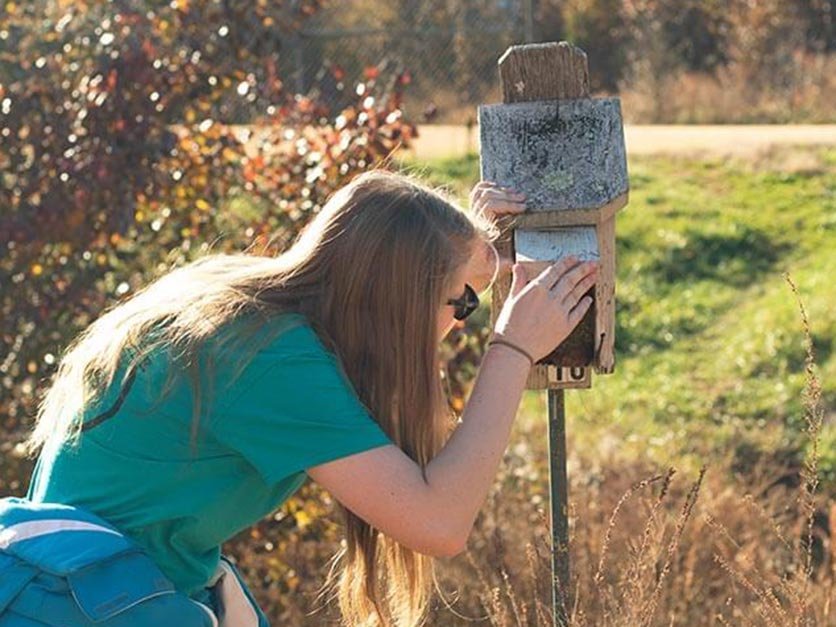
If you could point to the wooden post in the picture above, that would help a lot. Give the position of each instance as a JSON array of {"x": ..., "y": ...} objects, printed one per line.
[{"x": 566, "y": 152}]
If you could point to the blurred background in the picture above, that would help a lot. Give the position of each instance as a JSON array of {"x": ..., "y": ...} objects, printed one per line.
[
  {"x": 136, "y": 136},
  {"x": 691, "y": 61}
]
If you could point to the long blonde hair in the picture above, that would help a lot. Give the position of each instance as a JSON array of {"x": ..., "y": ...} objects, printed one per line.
[{"x": 369, "y": 272}]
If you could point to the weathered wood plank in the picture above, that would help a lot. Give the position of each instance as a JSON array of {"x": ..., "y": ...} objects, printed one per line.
[
  {"x": 563, "y": 155},
  {"x": 605, "y": 299},
  {"x": 569, "y": 378},
  {"x": 541, "y": 248},
  {"x": 546, "y": 71},
  {"x": 572, "y": 217}
]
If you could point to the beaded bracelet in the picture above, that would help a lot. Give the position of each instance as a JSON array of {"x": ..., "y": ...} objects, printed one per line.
[{"x": 513, "y": 347}]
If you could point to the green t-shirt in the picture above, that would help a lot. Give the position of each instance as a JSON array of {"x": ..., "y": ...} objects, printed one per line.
[{"x": 289, "y": 409}]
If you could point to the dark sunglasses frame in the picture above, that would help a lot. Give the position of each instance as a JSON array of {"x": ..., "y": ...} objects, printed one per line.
[{"x": 465, "y": 304}]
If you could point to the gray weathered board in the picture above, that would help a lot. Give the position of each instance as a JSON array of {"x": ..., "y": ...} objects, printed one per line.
[
  {"x": 563, "y": 154},
  {"x": 552, "y": 245}
]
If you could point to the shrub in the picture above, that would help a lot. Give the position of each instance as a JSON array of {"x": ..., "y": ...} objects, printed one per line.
[{"x": 123, "y": 155}]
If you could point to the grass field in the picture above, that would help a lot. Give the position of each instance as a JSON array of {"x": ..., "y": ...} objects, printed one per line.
[{"x": 709, "y": 338}]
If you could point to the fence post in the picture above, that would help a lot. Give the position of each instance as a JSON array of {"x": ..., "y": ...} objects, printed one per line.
[
  {"x": 528, "y": 20},
  {"x": 299, "y": 62}
]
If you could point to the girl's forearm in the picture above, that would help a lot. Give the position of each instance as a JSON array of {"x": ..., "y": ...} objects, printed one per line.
[{"x": 462, "y": 473}]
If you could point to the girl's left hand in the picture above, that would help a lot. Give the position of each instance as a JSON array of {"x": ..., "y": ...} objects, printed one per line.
[{"x": 493, "y": 200}]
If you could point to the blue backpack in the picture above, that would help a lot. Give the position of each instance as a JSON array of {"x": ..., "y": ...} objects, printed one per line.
[{"x": 63, "y": 566}]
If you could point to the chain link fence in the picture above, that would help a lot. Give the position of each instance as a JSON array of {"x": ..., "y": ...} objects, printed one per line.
[{"x": 448, "y": 48}]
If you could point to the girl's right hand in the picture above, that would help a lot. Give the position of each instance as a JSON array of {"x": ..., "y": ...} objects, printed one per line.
[{"x": 539, "y": 314}]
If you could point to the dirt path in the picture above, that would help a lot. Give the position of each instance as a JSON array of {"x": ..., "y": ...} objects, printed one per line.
[{"x": 740, "y": 141}]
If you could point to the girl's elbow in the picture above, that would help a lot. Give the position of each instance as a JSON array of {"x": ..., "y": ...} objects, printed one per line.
[
  {"x": 451, "y": 545},
  {"x": 453, "y": 549}
]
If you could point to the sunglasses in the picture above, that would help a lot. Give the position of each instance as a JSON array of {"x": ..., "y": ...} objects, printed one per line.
[
  {"x": 468, "y": 302},
  {"x": 465, "y": 304}
]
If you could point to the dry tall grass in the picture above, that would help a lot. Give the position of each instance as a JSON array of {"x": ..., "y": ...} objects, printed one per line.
[
  {"x": 734, "y": 96},
  {"x": 650, "y": 548},
  {"x": 730, "y": 95}
]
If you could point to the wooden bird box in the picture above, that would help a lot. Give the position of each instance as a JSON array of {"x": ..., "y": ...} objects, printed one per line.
[{"x": 566, "y": 152}]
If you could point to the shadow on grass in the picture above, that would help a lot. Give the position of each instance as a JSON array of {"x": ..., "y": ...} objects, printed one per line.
[
  {"x": 652, "y": 334},
  {"x": 736, "y": 258}
]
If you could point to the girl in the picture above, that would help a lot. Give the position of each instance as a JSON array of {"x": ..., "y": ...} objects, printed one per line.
[{"x": 198, "y": 406}]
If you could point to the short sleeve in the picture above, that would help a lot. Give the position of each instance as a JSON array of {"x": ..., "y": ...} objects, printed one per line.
[{"x": 294, "y": 408}]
